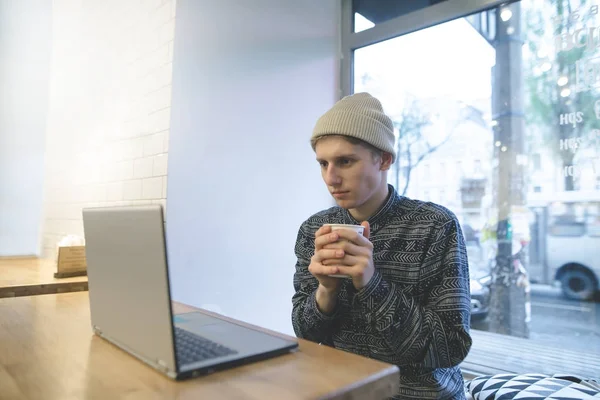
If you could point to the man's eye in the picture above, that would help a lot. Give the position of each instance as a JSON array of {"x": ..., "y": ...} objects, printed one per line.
[
  {"x": 323, "y": 164},
  {"x": 345, "y": 161}
]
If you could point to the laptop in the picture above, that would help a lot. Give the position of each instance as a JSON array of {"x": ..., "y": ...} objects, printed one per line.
[{"x": 131, "y": 306}]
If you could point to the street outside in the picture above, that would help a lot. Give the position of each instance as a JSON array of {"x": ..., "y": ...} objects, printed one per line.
[{"x": 560, "y": 322}]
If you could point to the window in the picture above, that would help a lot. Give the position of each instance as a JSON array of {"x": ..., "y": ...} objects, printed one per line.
[
  {"x": 532, "y": 146},
  {"x": 459, "y": 168},
  {"x": 567, "y": 228}
]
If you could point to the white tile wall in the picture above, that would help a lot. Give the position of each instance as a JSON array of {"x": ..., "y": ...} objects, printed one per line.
[
  {"x": 160, "y": 165},
  {"x": 152, "y": 188},
  {"x": 109, "y": 113},
  {"x": 142, "y": 167}
]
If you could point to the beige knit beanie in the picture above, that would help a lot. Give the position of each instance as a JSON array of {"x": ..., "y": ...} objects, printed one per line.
[{"x": 361, "y": 116}]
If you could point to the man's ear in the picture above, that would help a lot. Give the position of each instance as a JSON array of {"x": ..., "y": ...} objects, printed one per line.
[{"x": 386, "y": 161}]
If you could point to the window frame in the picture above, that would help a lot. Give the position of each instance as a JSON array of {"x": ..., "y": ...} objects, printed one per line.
[{"x": 407, "y": 23}]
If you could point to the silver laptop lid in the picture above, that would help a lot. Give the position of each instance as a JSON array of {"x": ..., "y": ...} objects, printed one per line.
[{"x": 128, "y": 281}]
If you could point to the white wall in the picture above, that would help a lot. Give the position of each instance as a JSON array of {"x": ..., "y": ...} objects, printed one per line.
[
  {"x": 109, "y": 112},
  {"x": 249, "y": 83},
  {"x": 25, "y": 28}
]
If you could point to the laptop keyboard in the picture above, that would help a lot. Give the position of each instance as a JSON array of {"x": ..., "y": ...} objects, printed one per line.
[{"x": 193, "y": 348}]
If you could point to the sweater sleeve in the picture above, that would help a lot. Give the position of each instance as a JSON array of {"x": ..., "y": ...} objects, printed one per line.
[
  {"x": 307, "y": 320},
  {"x": 432, "y": 332}
]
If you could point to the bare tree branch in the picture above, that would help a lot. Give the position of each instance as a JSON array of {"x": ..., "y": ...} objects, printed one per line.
[{"x": 412, "y": 146}]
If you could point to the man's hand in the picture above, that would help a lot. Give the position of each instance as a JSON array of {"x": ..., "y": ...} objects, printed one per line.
[
  {"x": 357, "y": 261},
  {"x": 323, "y": 237},
  {"x": 329, "y": 287}
]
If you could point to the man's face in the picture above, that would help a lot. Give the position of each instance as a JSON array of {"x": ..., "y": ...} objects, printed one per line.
[{"x": 350, "y": 171}]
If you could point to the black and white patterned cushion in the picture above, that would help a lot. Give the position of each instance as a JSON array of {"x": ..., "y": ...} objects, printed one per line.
[{"x": 532, "y": 387}]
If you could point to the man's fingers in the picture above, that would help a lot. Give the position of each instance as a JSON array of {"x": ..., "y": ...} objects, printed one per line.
[
  {"x": 347, "y": 260},
  {"x": 320, "y": 269},
  {"x": 354, "y": 237},
  {"x": 350, "y": 235},
  {"x": 348, "y": 247},
  {"x": 367, "y": 230},
  {"x": 350, "y": 271},
  {"x": 325, "y": 254},
  {"x": 322, "y": 230},
  {"x": 326, "y": 239}
]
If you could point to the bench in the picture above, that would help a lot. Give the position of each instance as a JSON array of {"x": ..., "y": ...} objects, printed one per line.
[{"x": 492, "y": 353}]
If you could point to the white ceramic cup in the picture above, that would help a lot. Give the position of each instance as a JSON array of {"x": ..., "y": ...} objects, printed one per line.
[{"x": 334, "y": 227}]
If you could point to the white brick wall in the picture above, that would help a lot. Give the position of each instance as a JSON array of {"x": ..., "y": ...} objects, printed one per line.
[{"x": 109, "y": 112}]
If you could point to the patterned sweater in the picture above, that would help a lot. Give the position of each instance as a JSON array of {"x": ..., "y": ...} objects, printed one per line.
[{"x": 414, "y": 312}]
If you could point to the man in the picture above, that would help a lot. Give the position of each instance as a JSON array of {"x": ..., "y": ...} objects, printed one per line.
[{"x": 406, "y": 300}]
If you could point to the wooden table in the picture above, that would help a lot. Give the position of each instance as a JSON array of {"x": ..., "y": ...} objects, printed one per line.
[
  {"x": 31, "y": 276},
  {"x": 48, "y": 351}
]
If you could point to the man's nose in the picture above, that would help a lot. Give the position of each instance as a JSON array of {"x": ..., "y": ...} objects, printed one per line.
[{"x": 332, "y": 177}]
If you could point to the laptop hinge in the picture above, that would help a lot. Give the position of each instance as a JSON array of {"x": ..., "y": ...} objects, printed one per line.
[{"x": 162, "y": 365}]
